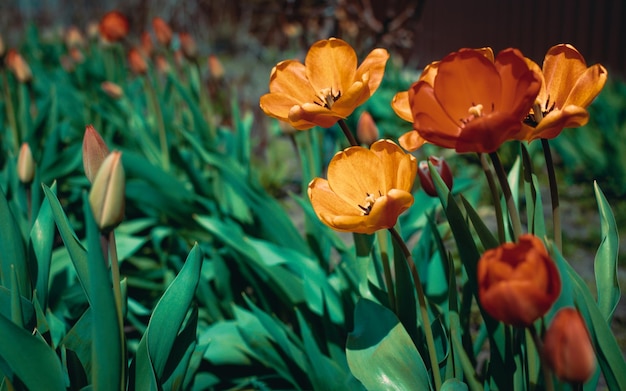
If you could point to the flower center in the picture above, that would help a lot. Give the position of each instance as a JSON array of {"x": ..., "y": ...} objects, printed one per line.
[
  {"x": 327, "y": 97},
  {"x": 370, "y": 200},
  {"x": 475, "y": 111},
  {"x": 538, "y": 113}
]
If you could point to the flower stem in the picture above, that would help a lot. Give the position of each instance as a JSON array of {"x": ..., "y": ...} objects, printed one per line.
[
  {"x": 554, "y": 194},
  {"x": 508, "y": 195},
  {"x": 384, "y": 253},
  {"x": 347, "y": 132},
  {"x": 494, "y": 194},
  {"x": 11, "y": 112},
  {"x": 156, "y": 107},
  {"x": 430, "y": 341},
  {"x": 547, "y": 372}
]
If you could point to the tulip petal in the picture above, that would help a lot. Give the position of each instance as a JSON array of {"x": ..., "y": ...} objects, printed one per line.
[
  {"x": 289, "y": 78},
  {"x": 331, "y": 64},
  {"x": 411, "y": 141},
  {"x": 520, "y": 84},
  {"x": 562, "y": 66},
  {"x": 587, "y": 86},
  {"x": 354, "y": 173},
  {"x": 373, "y": 65},
  {"x": 464, "y": 79},
  {"x": 400, "y": 167},
  {"x": 311, "y": 114},
  {"x": 555, "y": 121},
  {"x": 401, "y": 106},
  {"x": 428, "y": 113}
]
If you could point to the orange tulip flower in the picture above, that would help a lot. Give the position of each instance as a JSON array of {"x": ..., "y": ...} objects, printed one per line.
[
  {"x": 412, "y": 140},
  {"x": 113, "y": 26},
  {"x": 567, "y": 347},
  {"x": 162, "y": 31},
  {"x": 366, "y": 190},
  {"x": 518, "y": 282},
  {"x": 18, "y": 66},
  {"x": 474, "y": 104},
  {"x": 567, "y": 88},
  {"x": 188, "y": 45},
  {"x": 136, "y": 62},
  {"x": 326, "y": 88}
]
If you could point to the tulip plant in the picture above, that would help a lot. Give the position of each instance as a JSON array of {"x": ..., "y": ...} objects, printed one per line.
[{"x": 142, "y": 247}]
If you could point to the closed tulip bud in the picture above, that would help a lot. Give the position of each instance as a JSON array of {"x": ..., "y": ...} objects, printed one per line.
[
  {"x": 136, "y": 62},
  {"x": 366, "y": 129},
  {"x": 25, "y": 165},
  {"x": 95, "y": 151},
  {"x": 518, "y": 282},
  {"x": 16, "y": 64},
  {"x": 426, "y": 180},
  {"x": 112, "y": 90},
  {"x": 146, "y": 44},
  {"x": 188, "y": 45},
  {"x": 113, "y": 26},
  {"x": 162, "y": 31},
  {"x": 107, "y": 193},
  {"x": 215, "y": 67},
  {"x": 567, "y": 347}
]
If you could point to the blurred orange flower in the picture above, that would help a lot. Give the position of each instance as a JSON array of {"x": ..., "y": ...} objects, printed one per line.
[
  {"x": 567, "y": 88},
  {"x": 474, "y": 104},
  {"x": 326, "y": 88},
  {"x": 146, "y": 45},
  {"x": 567, "y": 347},
  {"x": 518, "y": 282},
  {"x": 188, "y": 45},
  {"x": 162, "y": 31},
  {"x": 113, "y": 26},
  {"x": 16, "y": 64},
  {"x": 137, "y": 62},
  {"x": 412, "y": 140},
  {"x": 366, "y": 190},
  {"x": 366, "y": 129},
  {"x": 215, "y": 67}
]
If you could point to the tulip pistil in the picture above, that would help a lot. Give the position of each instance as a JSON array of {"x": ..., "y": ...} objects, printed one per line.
[
  {"x": 327, "y": 97},
  {"x": 538, "y": 113},
  {"x": 370, "y": 200},
  {"x": 475, "y": 111}
]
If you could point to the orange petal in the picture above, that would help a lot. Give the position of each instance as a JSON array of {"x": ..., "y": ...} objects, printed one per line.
[
  {"x": 411, "y": 141},
  {"x": 327, "y": 202},
  {"x": 331, "y": 64},
  {"x": 587, "y": 86},
  {"x": 487, "y": 133},
  {"x": 312, "y": 114},
  {"x": 520, "y": 84},
  {"x": 374, "y": 66},
  {"x": 289, "y": 77},
  {"x": 354, "y": 173},
  {"x": 399, "y": 167},
  {"x": 464, "y": 79},
  {"x": 400, "y": 105},
  {"x": 555, "y": 121},
  {"x": 429, "y": 119},
  {"x": 562, "y": 67},
  {"x": 277, "y": 105},
  {"x": 351, "y": 98}
]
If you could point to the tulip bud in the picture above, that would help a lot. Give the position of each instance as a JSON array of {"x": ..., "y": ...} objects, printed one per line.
[
  {"x": 113, "y": 26},
  {"x": 146, "y": 44},
  {"x": 188, "y": 45},
  {"x": 366, "y": 129},
  {"x": 107, "y": 193},
  {"x": 95, "y": 151},
  {"x": 16, "y": 64},
  {"x": 426, "y": 180},
  {"x": 215, "y": 67},
  {"x": 518, "y": 282},
  {"x": 136, "y": 62},
  {"x": 162, "y": 31},
  {"x": 25, "y": 165},
  {"x": 567, "y": 347},
  {"x": 112, "y": 90}
]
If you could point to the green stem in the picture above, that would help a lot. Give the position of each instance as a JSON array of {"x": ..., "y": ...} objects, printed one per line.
[
  {"x": 384, "y": 253},
  {"x": 347, "y": 132},
  {"x": 11, "y": 112},
  {"x": 117, "y": 291},
  {"x": 545, "y": 368},
  {"x": 494, "y": 195},
  {"x": 430, "y": 341},
  {"x": 508, "y": 195},
  {"x": 156, "y": 108},
  {"x": 554, "y": 194}
]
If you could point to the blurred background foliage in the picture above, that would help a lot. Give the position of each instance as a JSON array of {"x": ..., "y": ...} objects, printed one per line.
[{"x": 276, "y": 292}]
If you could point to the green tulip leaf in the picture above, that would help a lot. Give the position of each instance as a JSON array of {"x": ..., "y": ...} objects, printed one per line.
[{"x": 381, "y": 353}]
